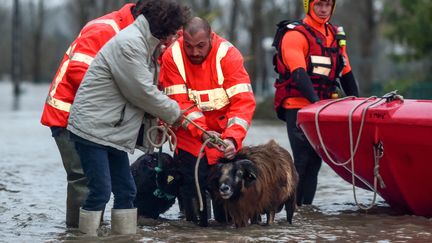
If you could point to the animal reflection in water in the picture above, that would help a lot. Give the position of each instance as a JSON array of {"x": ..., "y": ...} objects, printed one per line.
[{"x": 259, "y": 180}]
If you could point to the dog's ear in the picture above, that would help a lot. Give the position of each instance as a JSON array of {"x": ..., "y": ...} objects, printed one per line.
[{"x": 250, "y": 171}]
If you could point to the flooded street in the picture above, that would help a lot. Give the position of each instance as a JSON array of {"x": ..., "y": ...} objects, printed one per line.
[{"x": 33, "y": 191}]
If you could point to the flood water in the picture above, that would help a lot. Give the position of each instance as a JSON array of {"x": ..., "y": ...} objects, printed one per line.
[{"x": 33, "y": 189}]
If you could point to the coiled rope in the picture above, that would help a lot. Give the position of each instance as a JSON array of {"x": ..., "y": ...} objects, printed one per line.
[
  {"x": 169, "y": 135},
  {"x": 378, "y": 148}
]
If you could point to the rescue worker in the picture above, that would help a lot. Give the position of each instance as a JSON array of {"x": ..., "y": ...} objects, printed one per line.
[
  {"x": 115, "y": 97},
  {"x": 206, "y": 72},
  {"x": 312, "y": 56},
  {"x": 62, "y": 93}
]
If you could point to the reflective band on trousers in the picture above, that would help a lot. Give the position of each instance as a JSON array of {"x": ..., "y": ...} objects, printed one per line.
[
  {"x": 192, "y": 116},
  {"x": 238, "y": 121}
]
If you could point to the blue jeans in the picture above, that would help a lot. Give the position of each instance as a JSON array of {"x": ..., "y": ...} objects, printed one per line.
[{"x": 107, "y": 170}]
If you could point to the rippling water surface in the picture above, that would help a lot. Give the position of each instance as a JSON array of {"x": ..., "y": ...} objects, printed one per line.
[{"x": 33, "y": 188}]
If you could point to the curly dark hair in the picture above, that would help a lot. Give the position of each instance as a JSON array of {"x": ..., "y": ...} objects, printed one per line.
[{"x": 165, "y": 17}]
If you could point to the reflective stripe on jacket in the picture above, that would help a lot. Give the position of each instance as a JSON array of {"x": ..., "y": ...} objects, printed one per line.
[
  {"x": 118, "y": 91},
  {"x": 76, "y": 61},
  {"x": 324, "y": 63},
  {"x": 219, "y": 87}
]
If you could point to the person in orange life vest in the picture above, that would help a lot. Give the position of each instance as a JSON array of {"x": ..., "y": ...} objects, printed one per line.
[
  {"x": 62, "y": 92},
  {"x": 313, "y": 53},
  {"x": 205, "y": 71}
]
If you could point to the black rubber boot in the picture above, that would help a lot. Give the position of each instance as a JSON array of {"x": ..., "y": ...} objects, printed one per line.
[
  {"x": 190, "y": 209},
  {"x": 192, "y": 212},
  {"x": 181, "y": 208},
  {"x": 219, "y": 212},
  {"x": 203, "y": 219}
]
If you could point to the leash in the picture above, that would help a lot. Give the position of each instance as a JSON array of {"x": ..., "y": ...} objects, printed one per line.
[
  {"x": 159, "y": 193},
  {"x": 212, "y": 139},
  {"x": 168, "y": 135}
]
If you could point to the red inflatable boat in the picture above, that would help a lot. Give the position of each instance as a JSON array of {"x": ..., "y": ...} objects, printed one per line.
[{"x": 380, "y": 144}]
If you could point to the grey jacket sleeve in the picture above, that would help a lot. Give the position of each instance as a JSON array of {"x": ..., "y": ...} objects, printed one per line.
[{"x": 134, "y": 78}]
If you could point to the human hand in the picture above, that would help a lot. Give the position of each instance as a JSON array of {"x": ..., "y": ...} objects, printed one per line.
[
  {"x": 230, "y": 150},
  {"x": 178, "y": 122},
  {"x": 210, "y": 134}
]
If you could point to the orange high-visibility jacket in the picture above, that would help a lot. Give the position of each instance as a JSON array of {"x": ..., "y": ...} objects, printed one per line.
[
  {"x": 219, "y": 87},
  {"x": 76, "y": 61}
]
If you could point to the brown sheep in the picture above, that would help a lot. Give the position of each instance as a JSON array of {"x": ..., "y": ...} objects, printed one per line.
[{"x": 259, "y": 180}]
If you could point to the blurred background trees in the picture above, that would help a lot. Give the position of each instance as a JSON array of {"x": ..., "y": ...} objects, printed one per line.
[{"x": 388, "y": 40}]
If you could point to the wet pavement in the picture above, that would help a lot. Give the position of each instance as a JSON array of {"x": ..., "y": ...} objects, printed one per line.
[{"x": 33, "y": 189}]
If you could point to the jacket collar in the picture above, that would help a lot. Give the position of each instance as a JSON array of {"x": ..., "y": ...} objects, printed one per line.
[
  {"x": 125, "y": 16},
  {"x": 144, "y": 28},
  {"x": 321, "y": 27}
]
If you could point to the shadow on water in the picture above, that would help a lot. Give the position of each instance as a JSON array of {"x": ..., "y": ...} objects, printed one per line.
[{"x": 33, "y": 189}]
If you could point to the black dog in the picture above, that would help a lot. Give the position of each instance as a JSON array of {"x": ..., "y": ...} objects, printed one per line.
[{"x": 157, "y": 180}]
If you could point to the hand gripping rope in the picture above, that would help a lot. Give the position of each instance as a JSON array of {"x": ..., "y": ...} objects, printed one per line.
[
  {"x": 212, "y": 139},
  {"x": 168, "y": 135}
]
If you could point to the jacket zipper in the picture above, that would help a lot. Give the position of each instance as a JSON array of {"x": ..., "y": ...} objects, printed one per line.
[{"x": 118, "y": 123}]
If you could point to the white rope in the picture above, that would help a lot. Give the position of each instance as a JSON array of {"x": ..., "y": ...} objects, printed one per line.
[
  {"x": 377, "y": 156},
  {"x": 353, "y": 152},
  {"x": 197, "y": 184},
  {"x": 167, "y": 135},
  {"x": 353, "y": 149}
]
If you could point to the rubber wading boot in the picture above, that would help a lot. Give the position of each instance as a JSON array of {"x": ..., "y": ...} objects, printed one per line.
[
  {"x": 89, "y": 221},
  {"x": 192, "y": 212},
  {"x": 181, "y": 208},
  {"x": 204, "y": 215},
  {"x": 76, "y": 194},
  {"x": 219, "y": 212},
  {"x": 124, "y": 221}
]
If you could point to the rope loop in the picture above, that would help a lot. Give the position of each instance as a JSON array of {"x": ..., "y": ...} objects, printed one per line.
[
  {"x": 378, "y": 148},
  {"x": 167, "y": 135}
]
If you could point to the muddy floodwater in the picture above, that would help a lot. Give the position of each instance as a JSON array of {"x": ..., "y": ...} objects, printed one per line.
[{"x": 33, "y": 189}]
